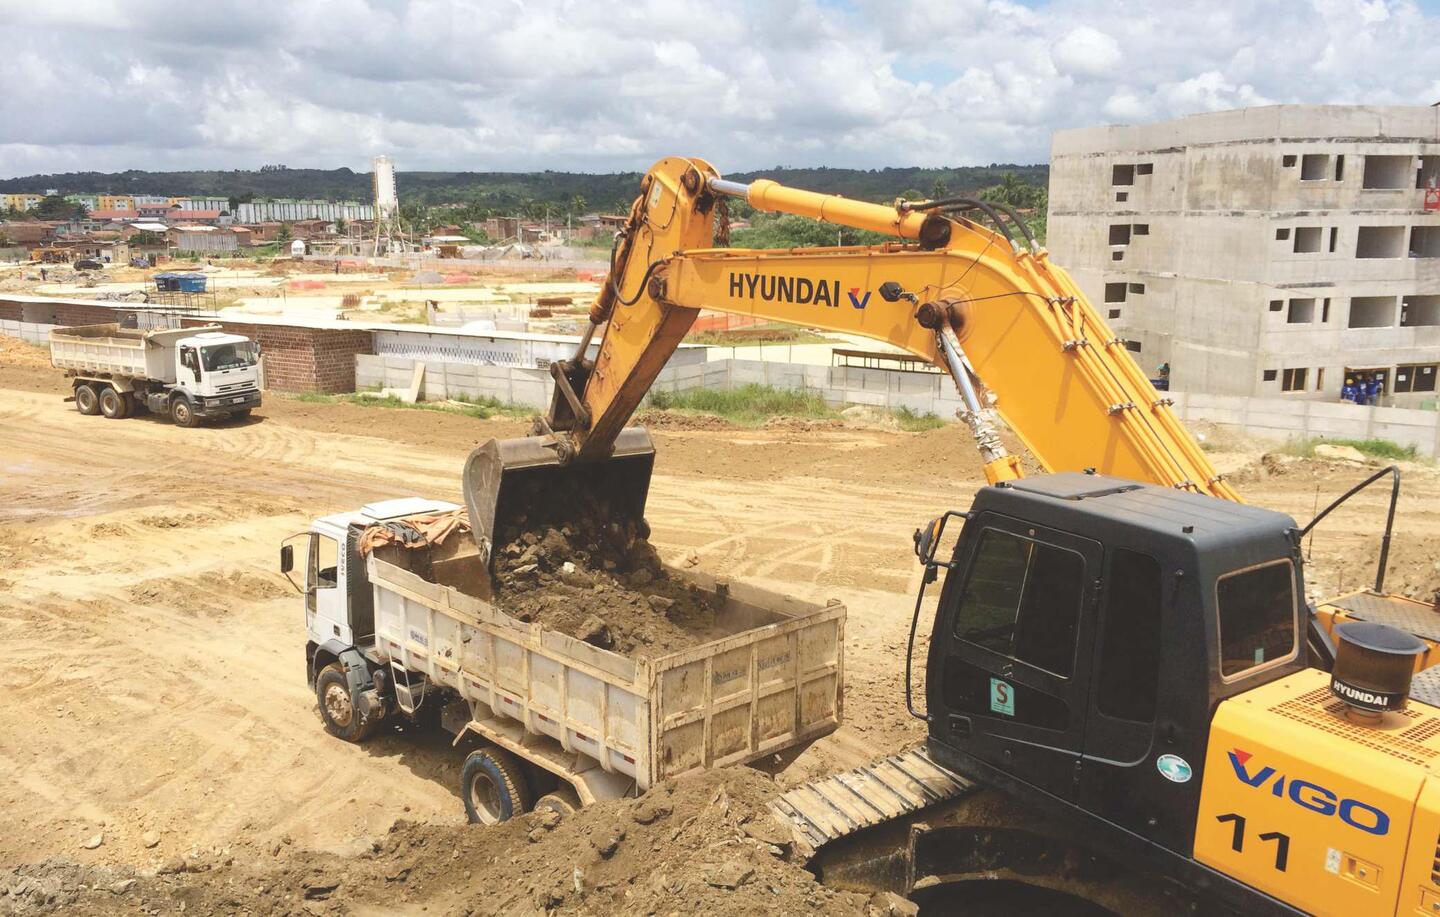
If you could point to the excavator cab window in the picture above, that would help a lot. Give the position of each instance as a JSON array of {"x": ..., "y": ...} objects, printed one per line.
[{"x": 1257, "y": 618}]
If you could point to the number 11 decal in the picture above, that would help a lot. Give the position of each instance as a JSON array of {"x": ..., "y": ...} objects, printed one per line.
[{"x": 1237, "y": 838}]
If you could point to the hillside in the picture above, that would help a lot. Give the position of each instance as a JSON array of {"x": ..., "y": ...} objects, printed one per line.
[{"x": 503, "y": 190}]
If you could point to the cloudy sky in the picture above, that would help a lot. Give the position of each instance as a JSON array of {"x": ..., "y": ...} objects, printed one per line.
[{"x": 595, "y": 85}]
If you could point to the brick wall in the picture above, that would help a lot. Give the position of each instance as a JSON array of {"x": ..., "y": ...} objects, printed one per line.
[
  {"x": 304, "y": 359},
  {"x": 10, "y": 311}
]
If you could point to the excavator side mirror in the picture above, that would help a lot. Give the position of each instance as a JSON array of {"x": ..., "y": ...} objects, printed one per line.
[
  {"x": 925, "y": 540},
  {"x": 890, "y": 291}
]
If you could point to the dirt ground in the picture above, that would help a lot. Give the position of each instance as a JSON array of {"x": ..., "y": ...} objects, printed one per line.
[{"x": 158, "y": 717}]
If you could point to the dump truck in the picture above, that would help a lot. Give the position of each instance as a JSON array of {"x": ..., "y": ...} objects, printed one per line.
[
  {"x": 407, "y": 632},
  {"x": 187, "y": 374}
]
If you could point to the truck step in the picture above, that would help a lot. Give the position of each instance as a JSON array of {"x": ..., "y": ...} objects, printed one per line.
[{"x": 830, "y": 808}]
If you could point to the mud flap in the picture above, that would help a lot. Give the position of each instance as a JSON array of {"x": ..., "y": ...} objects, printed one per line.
[{"x": 503, "y": 475}]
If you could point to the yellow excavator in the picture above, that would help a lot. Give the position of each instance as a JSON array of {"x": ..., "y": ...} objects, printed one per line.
[{"x": 1120, "y": 642}]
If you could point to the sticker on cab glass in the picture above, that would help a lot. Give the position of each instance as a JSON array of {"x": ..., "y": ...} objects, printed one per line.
[
  {"x": 1174, "y": 768},
  {"x": 1002, "y": 697}
]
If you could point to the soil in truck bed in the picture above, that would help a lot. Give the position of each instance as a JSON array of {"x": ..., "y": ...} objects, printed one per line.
[{"x": 571, "y": 562}]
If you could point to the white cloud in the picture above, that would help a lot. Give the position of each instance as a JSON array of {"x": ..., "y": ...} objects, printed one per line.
[{"x": 603, "y": 84}]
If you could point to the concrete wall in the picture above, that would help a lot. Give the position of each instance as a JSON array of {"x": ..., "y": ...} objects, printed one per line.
[
  {"x": 26, "y": 331},
  {"x": 924, "y": 393}
]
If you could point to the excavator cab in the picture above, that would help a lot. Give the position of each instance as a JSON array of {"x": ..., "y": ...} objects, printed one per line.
[{"x": 1063, "y": 661}]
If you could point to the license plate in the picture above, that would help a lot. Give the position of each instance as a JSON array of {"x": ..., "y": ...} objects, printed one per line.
[{"x": 239, "y": 400}]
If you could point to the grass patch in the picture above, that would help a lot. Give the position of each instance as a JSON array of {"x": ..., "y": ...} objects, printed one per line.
[
  {"x": 770, "y": 333},
  {"x": 915, "y": 422},
  {"x": 748, "y": 404},
  {"x": 480, "y": 407},
  {"x": 1374, "y": 448}
]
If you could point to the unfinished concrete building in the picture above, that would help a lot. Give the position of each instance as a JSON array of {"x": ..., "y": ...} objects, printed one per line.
[{"x": 1264, "y": 251}]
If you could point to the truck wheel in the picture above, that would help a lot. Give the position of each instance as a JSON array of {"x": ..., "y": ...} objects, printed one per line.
[
  {"x": 337, "y": 706},
  {"x": 564, "y": 801},
  {"x": 494, "y": 787},
  {"x": 86, "y": 401},
  {"x": 113, "y": 404},
  {"x": 182, "y": 413}
]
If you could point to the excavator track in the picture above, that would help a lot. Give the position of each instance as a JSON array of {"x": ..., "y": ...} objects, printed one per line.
[{"x": 825, "y": 810}]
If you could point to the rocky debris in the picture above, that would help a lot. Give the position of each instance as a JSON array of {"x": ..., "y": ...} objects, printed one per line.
[
  {"x": 1339, "y": 453},
  {"x": 150, "y": 839},
  {"x": 575, "y": 563},
  {"x": 889, "y": 904},
  {"x": 93, "y": 841},
  {"x": 685, "y": 847}
]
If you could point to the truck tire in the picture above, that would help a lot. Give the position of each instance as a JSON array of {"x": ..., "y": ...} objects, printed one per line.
[
  {"x": 564, "y": 801},
  {"x": 183, "y": 414},
  {"x": 494, "y": 787},
  {"x": 114, "y": 405},
  {"x": 337, "y": 706},
  {"x": 87, "y": 402}
]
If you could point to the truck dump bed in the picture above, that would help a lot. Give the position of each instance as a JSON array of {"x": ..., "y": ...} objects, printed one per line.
[
  {"x": 111, "y": 350},
  {"x": 774, "y": 682}
]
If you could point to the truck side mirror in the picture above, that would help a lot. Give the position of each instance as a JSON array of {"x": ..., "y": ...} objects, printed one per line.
[
  {"x": 924, "y": 538},
  {"x": 287, "y": 562}
]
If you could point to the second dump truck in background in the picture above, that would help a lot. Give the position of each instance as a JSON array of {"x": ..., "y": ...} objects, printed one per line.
[{"x": 188, "y": 374}]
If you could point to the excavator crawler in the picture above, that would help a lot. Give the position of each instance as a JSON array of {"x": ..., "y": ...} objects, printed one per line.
[{"x": 1120, "y": 643}]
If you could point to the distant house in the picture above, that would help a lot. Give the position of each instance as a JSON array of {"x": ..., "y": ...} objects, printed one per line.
[
  {"x": 106, "y": 250},
  {"x": 114, "y": 216},
  {"x": 28, "y": 232},
  {"x": 189, "y": 237},
  {"x": 201, "y": 217}
]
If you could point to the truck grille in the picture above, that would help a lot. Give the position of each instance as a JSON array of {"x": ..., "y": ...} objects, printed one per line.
[{"x": 234, "y": 387}]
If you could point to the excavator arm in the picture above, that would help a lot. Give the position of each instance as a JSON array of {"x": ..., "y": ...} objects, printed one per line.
[{"x": 979, "y": 301}]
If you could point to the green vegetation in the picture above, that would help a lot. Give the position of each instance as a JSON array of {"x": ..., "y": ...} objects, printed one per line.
[
  {"x": 433, "y": 198},
  {"x": 748, "y": 404},
  {"x": 1374, "y": 448},
  {"x": 915, "y": 422},
  {"x": 481, "y": 407},
  {"x": 751, "y": 405},
  {"x": 768, "y": 333}
]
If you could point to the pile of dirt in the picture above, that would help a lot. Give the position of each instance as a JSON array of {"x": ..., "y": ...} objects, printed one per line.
[
  {"x": 575, "y": 561},
  {"x": 213, "y": 593},
  {"x": 698, "y": 845},
  {"x": 660, "y": 419}
]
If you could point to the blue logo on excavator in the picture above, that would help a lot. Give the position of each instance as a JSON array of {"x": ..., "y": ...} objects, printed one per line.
[
  {"x": 859, "y": 302},
  {"x": 1310, "y": 795}
]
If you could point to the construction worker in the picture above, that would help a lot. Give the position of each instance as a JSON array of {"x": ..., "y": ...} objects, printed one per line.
[
  {"x": 1162, "y": 382},
  {"x": 1374, "y": 389},
  {"x": 1349, "y": 391}
]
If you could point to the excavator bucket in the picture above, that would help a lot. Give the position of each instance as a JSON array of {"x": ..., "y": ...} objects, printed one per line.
[{"x": 514, "y": 483}]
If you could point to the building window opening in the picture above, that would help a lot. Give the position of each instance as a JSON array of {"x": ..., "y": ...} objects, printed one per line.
[
  {"x": 1132, "y": 346},
  {"x": 1141, "y": 229},
  {"x": 1282, "y": 234},
  {"x": 1122, "y": 175},
  {"x": 1372, "y": 311},
  {"x": 1428, "y": 175},
  {"x": 1307, "y": 239},
  {"x": 1117, "y": 256},
  {"x": 1302, "y": 312},
  {"x": 1425, "y": 242},
  {"x": 1380, "y": 242},
  {"x": 1122, "y": 196},
  {"x": 1325, "y": 311},
  {"x": 1287, "y": 161},
  {"x": 1119, "y": 233},
  {"x": 1419, "y": 377},
  {"x": 1115, "y": 292},
  {"x": 1277, "y": 305},
  {"x": 1419, "y": 311},
  {"x": 1315, "y": 167},
  {"x": 1114, "y": 313},
  {"x": 1334, "y": 237},
  {"x": 1270, "y": 374},
  {"x": 1144, "y": 168},
  {"x": 1293, "y": 380},
  {"x": 1387, "y": 172},
  {"x": 1320, "y": 379},
  {"x": 1137, "y": 288},
  {"x": 1339, "y": 168}
]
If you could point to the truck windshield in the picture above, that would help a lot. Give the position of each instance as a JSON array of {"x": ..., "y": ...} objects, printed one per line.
[{"x": 228, "y": 356}]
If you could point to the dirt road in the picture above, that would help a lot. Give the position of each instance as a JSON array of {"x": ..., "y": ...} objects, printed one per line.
[{"x": 154, "y": 670}]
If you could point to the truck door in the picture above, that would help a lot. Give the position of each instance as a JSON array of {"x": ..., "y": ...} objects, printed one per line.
[
  {"x": 1014, "y": 650},
  {"x": 324, "y": 599}
]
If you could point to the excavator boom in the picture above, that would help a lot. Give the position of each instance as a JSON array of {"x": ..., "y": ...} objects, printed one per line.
[{"x": 981, "y": 302}]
